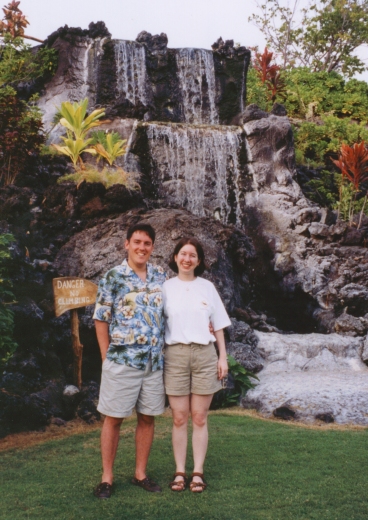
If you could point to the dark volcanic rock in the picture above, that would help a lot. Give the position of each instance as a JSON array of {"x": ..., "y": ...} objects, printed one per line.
[{"x": 91, "y": 253}]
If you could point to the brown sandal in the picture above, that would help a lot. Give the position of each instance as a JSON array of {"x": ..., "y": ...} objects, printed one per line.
[
  {"x": 201, "y": 485},
  {"x": 180, "y": 484}
]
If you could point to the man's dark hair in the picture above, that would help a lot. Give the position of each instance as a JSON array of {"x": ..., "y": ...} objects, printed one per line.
[
  {"x": 146, "y": 228},
  {"x": 201, "y": 267}
]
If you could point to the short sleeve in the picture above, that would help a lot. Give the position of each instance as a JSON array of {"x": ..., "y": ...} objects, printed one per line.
[
  {"x": 219, "y": 317},
  {"x": 104, "y": 300}
]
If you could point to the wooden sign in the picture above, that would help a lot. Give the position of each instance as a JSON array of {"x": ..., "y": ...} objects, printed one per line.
[{"x": 72, "y": 292}]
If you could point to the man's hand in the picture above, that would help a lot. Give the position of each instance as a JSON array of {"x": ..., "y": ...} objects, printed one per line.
[
  {"x": 102, "y": 333},
  {"x": 212, "y": 330}
]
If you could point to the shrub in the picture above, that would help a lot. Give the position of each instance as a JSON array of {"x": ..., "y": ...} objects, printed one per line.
[
  {"x": 239, "y": 384},
  {"x": 7, "y": 343},
  {"x": 20, "y": 134}
]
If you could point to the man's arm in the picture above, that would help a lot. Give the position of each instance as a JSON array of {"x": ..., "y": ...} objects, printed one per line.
[{"x": 102, "y": 333}]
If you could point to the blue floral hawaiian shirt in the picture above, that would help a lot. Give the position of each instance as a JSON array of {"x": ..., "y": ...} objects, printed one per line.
[{"x": 134, "y": 310}]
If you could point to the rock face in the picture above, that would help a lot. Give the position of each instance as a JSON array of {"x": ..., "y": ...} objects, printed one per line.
[
  {"x": 145, "y": 79},
  {"x": 311, "y": 376},
  {"x": 92, "y": 252}
]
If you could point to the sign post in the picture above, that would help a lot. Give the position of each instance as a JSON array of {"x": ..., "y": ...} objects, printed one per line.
[{"x": 71, "y": 293}]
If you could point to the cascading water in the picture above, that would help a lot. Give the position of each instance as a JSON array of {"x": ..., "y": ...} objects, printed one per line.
[
  {"x": 195, "y": 70},
  {"x": 131, "y": 71},
  {"x": 197, "y": 167}
]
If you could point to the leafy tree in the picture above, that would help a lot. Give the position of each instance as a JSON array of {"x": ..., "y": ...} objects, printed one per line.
[
  {"x": 325, "y": 38},
  {"x": 20, "y": 134},
  {"x": 7, "y": 343},
  {"x": 18, "y": 62}
]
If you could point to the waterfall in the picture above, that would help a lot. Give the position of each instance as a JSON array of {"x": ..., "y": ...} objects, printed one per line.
[
  {"x": 131, "y": 71},
  {"x": 195, "y": 65},
  {"x": 197, "y": 167}
]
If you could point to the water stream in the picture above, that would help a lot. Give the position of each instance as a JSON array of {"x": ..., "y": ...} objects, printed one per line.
[
  {"x": 131, "y": 71},
  {"x": 198, "y": 167},
  {"x": 196, "y": 73}
]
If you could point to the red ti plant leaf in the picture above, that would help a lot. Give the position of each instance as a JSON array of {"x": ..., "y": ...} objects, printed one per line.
[
  {"x": 353, "y": 163},
  {"x": 269, "y": 74}
]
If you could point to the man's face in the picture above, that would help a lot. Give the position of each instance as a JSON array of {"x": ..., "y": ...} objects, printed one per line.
[{"x": 139, "y": 247}]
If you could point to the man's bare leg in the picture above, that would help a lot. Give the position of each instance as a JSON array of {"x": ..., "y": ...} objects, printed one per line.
[
  {"x": 143, "y": 442},
  {"x": 109, "y": 445}
]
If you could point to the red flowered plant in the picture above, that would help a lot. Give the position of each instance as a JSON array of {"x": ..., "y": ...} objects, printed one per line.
[
  {"x": 353, "y": 164},
  {"x": 269, "y": 73},
  {"x": 14, "y": 22}
]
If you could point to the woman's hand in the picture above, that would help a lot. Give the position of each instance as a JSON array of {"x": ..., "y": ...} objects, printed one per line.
[{"x": 222, "y": 367}]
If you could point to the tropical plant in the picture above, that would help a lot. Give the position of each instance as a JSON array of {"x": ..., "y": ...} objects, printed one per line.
[
  {"x": 324, "y": 39},
  {"x": 108, "y": 146},
  {"x": 239, "y": 384},
  {"x": 75, "y": 119},
  {"x": 7, "y": 343},
  {"x": 73, "y": 116},
  {"x": 21, "y": 134},
  {"x": 353, "y": 164},
  {"x": 73, "y": 149},
  {"x": 269, "y": 74},
  {"x": 14, "y": 22},
  {"x": 106, "y": 176}
]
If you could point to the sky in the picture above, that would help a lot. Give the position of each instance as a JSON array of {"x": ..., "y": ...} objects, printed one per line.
[{"x": 187, "y": 23}]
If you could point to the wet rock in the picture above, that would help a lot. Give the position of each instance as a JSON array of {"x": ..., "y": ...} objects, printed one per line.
[
  {"x": 312, "y": 374},
  {"x": 285, "y": 412},
  {"x": 325, "y": 417}
]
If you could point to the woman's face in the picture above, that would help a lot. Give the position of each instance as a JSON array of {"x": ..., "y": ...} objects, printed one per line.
[{"x": 187, "y": 259}]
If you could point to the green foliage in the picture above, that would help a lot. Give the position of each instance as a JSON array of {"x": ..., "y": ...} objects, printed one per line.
[
  {"x": 20, "y": 134},
  {"x": 108, "y": 146},
  {"x": 7, "y": 343},
  {"x": 326, "y": 37},
  {"x": 75, "y": 119},
  {"x": 18, "y": 62},
  {"x": 106, "y": 176},
  {"x": 316, "y": 143},
  {"x": 324, "y": 190},
  {"x": 314, "y": 94},
  {"x": 240, "y": 377},
  {"x": 73, "y": 148},
  {"x": 257, "y": 91}
]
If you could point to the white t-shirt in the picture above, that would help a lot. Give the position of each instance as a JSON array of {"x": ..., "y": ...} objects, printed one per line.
[{"x": 189, "y": 307}]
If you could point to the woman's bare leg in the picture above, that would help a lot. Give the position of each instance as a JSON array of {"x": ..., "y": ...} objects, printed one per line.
[
  {"x": 180, "y": 411},
  {"x": 199, "y": 406}
]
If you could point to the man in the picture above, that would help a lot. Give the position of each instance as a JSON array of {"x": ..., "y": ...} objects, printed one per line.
[{"x": 130, "y": 332}]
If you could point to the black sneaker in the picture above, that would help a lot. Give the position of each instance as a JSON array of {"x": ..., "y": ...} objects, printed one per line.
[
  {"x": 103, "y": 490},
  {"x": 147, "y": 484}
]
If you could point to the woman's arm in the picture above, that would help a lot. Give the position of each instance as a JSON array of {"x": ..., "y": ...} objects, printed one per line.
[{"x": 222, "y": 368}]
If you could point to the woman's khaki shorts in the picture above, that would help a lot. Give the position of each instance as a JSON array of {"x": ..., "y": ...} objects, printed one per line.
[{"x": 191, "y": 369}]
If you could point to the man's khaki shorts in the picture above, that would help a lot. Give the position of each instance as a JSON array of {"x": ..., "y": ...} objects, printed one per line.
[
  {"x": 191, "y": 369},
  {"x": 124, "y": 388}
]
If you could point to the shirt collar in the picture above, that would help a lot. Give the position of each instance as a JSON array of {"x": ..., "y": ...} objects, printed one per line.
[{"x": 130, "y": 272}]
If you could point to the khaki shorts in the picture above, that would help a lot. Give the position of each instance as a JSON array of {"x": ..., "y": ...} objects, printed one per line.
[
  {"x": 123, "y": 388},
  {"x": 191, "y": 369}
]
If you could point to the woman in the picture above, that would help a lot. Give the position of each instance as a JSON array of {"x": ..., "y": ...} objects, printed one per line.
[{"x": 192, "y": 370}]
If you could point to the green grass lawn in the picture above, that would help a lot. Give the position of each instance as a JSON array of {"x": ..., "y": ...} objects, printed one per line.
[{"x": 255, "y": 470}]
